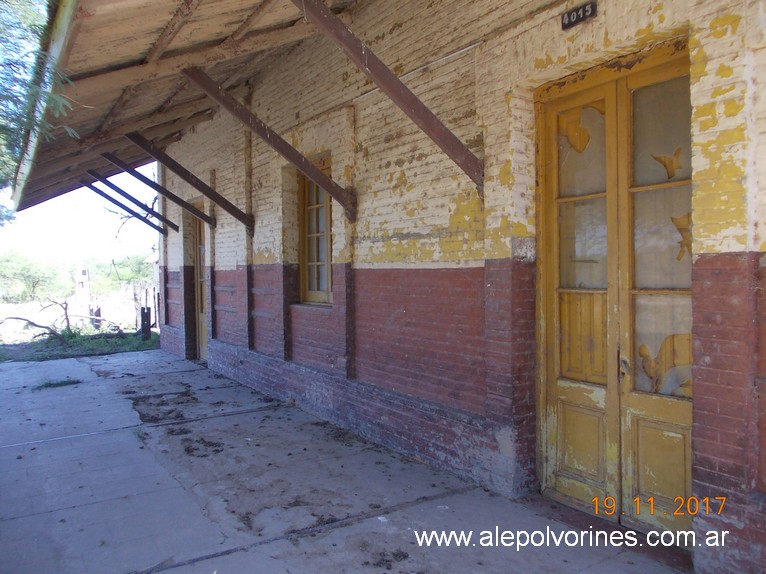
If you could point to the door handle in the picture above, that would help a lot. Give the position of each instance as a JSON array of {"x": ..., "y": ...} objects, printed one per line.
[{"x": 624, "y": 367}]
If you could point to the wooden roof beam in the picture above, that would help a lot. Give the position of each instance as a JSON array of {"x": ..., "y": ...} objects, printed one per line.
[
  {"x": 174, "y": 25},
  {"x": 388, "y": 82},
  {"x": 250, "y": 22},
  {"x": 124, "y": 207},
  {"x": 159, "y": 189},
  {"x": 192, "y": 179},
  {"x": 119, "y": 191},
  {"x": 185, "y": 9},
  {"x": 82, "y": 88},
  {"x": 163, "y": 132},
  {"x": 346, "y": 198}
]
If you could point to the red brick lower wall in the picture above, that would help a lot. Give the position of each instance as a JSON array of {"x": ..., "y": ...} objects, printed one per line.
[
  {"x": 510, "y": 355},
  {"x": 401, "y": 357},
  {"x": 229, "y": 294},
  {"x": 725, "y": 441},
  {"x": 178, "y": 333},
  {"x": 319, "y": 333},
  {"x": 272, "y": 288},
  {"x": 420, "y": 332}
]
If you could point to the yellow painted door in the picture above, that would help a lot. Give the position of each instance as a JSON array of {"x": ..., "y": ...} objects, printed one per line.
[
  {"x": 616, "y": 244},
  {"x": 200, "y": 286}
]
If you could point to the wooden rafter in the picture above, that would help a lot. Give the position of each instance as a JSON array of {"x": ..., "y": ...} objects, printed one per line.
[
  {"x": 185, "y": 9},
  {"x": 159, "y": 189},
  {"x": 160, "y": 132},
  {"x": 174, "y": 25},
  {"x": 118, "y": 130},
  {"x": 75, "y": 168},
  {"x": 388, "y": 82},
  {"x": 83, "y": 87},
  {"x": 124, "y": 207},
  {"x": 250, "y": 22},
  {"x": 119, "y": 191},
  {"x": 345, "y": 197},
  {"x": 191, "y": 179}
]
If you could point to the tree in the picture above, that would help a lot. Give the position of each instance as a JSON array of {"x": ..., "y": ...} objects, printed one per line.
[
  {"x": 22, "y": 279},
  {"x": 24, "y": 81}
]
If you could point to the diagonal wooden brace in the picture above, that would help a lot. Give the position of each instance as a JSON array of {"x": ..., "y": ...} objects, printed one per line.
[
  {"x": 331, "y": 26},
  {"x": 124, "y": 207},
  {"x": 118, "y": 190},
  {"x": 346, "y": 198},
  {"x": 191, "y": 179},
  {"x": 159, "y": 189}
]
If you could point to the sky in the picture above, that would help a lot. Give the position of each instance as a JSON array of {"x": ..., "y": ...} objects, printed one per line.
[{"x": 80, "y": 226}]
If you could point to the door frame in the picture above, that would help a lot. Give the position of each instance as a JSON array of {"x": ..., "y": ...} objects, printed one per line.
[
  {"x": 201, "y": 301},
  {"x": 568, "y": 87}
]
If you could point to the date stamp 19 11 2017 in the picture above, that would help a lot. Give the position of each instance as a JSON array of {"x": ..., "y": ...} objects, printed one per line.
[{"x": 683, "y": 505}]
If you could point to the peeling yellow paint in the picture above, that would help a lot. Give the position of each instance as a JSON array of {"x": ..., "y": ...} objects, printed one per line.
[
  {"x": 706, "y": 115},
  {"x": 722, "y": 91},
  {"x": 720, "y": 195},
  {"x": 264, "y": 257},
  {"x": 414, "y": 208},
  {"x": 698, "y": 58},
  {"x": 732, "y": 107},
  {"x": 724, "y": 71},
  {"x": 647, "y": 32},
  {"x": 724, "y": 25},
  {"x": 607, "y": 40},
  {"x": 548, "y": 61},
  {"x": 506, "y": 174}
]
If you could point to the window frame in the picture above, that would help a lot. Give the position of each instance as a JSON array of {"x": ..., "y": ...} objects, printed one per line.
[{"x": 305, "y": 185}]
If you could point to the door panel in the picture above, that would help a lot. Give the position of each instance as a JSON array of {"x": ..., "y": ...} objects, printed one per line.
[
  {"x": 616, "y": 291},
  {"x": 579, "y": 432}
]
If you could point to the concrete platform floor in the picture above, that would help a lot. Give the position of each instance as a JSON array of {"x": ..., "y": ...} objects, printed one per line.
[{"x": 152, "y": 463}]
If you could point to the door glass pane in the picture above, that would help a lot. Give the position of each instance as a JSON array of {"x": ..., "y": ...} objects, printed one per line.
[
  {"x": 320, "y": 215},
  {"x": 662, "y": 132},
  {"x": 662, "y": 239},
  {"x": 312, "y": 277},
  {"x": 321, "y": 248},
  {"x": 582, "y": 150},
  {"x": 322, "y": 277},
  {"x": 582, "y": 244},
  {"x": 663, "y": 348}
]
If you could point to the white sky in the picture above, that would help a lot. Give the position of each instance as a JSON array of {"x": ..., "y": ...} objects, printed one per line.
[{"x": 79, "y": 226}]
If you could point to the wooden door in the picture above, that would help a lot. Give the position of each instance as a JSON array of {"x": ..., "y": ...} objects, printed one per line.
[
  {"x": 616, "y": 245},
  {"x": 200, "y": 287}
]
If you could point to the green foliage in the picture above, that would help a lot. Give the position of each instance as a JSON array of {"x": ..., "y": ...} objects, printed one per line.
[
  {"x": 129, "y": 272},
  {"x": 6, "y": 214},
  {"x": 22, "y": 280},
  {"x": 24, "y": 81},
  {"x": 77, "y": 345}
]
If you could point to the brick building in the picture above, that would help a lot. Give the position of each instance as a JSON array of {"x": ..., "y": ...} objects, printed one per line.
[{"x": 564, "y": 293}]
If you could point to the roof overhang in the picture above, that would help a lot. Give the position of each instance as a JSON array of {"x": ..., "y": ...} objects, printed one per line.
[{"x": 124, "y": 64}]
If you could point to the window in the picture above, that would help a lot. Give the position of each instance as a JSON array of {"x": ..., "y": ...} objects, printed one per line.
[{"x": 315, "y": 222}]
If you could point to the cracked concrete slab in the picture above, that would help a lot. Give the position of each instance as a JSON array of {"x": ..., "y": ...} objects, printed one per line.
[{"x": 155, "y": 464}]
